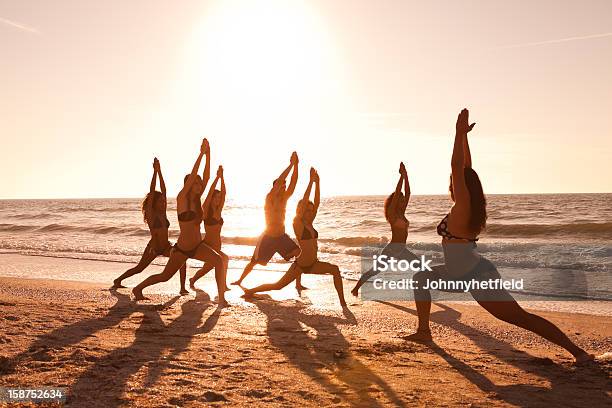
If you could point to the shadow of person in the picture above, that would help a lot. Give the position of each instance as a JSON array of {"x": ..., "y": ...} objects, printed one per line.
[
  {"x": 563, "y": 385},
  {"x": 156, "y": 347},
  {"x": 75, "y": 333},
  {"x": 324, "y": 357}
]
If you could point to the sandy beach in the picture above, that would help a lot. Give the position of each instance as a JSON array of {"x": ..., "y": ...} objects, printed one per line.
[{"x": 284, "y": 350}]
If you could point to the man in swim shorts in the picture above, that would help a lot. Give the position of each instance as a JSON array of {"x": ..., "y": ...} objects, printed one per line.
[{"x": 275, "y": 239}]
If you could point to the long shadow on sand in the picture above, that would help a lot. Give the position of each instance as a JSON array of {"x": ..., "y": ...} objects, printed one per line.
[
  {"x": 565, "y": 385},
  {"x": 156, "y": 347},
  {"x": 75, "y": 333},
  {"x": 349, "y": 379}
]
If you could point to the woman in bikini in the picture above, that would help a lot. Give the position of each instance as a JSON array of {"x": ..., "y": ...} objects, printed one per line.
[
  {"x": 395, "y": 208},
  {"x": 213, "y": 222},
  {"x": 459, "y": 231},
  {"x": 189, "y": 243},
  {"x": 307, "y": 261},
  {"x": 154, "y": 214}
]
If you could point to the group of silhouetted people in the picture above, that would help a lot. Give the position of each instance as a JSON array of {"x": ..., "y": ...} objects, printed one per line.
[{"x": 459, "y": 231}]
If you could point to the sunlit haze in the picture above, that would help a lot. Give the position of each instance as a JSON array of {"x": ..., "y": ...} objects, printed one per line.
[{"x": 93, "y": 90}]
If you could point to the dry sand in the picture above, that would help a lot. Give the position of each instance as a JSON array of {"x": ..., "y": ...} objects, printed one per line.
[{"x": 282, "y": 351}]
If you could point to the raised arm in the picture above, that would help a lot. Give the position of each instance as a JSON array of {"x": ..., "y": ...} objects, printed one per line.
[
  {"x": 206, "y": 173},
  {"x": 194, "y": 172},
  {"x": 211, "y": 191},
  {"x": 458, "y": 161},
  {"x": 467, "y": 156},
  {"x": 317, "y": 197},
  {"x": 162, "y": 184},
  {"x": 398, "y": 190},
  {"x": 154, "y": 177},
  {"x": 285, "y": 172},
  {"x": 294, "y": 176},
  {"x": 310, "y": 183},
  {"x": 406, "y": 186},
  {"x": 222, "y": 202}
]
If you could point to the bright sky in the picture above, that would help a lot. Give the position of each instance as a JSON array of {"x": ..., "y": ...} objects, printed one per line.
[{"x": 92, "y": 90}]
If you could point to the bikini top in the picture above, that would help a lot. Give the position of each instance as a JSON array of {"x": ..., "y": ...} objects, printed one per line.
[
  {"x": 309, "y": 233},
  {"x": 444, "y": 232},
  {"x": 158, "y": 223},
  {"x": 190, "y": 215},
  {"x": 211, "y": 221}
]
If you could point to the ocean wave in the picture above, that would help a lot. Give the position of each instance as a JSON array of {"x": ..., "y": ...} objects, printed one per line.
[
  {"x": 342, "y": 241},
  {"x": 355, "y": 241},
  {"x": 97, "y": 254},
  {"x": 371, "y": 223},
  {"x": 27, "y": 216},
  {"x": 582, "y": 229},
  {"x": 16, "y": 228},
  {"x": 135, "y": 208},
  {"x": 593, "y": 229},
  {"x": 94, "y": 229}
]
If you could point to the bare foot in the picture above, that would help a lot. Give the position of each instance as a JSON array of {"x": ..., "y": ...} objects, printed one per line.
[
  {"x": 420, "y": 336},
  {"x": 355, "y": 292},
  {"x": 300, "y": 287},
  {"x": 138, "y": 295},
  {"x": 117, "y": 285},
  {"x": 222, "y": 303},
  {"x": 237, "y": 283},
  {"x": 184, "y": 292},
  {"x": 248, "y": 294}
]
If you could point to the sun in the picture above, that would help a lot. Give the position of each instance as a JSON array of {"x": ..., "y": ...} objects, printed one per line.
[
  {"x": 262, "y": 79},
  {"x": 261, "y": 66}
]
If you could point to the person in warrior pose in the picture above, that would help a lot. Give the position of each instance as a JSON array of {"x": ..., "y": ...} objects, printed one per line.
[
  {"x": 154, "y": 214},
  {"x": 190, "y": 243},
  {"x": 395, "y": 208},
  {"x": 459, "y": 230},
  {"x": 307, "y": 236},
  {"x": 213, "y": 222},
  {"x": 274, "y": 239}
]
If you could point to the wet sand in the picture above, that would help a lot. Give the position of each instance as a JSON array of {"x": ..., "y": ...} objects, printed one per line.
[{"x": 288, "y": 350}]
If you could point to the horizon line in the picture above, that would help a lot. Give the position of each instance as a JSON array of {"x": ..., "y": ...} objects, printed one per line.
[{"x": 323, "y": 196}]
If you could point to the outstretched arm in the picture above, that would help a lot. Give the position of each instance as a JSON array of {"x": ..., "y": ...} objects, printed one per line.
[
  {"x": 458, "y": 161},
  {"x": 294, "y": 175},
  {"x": 194, "y": 172}
]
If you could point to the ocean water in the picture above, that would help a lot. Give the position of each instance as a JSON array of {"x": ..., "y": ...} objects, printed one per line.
[{"x": 554, "y": 239}]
